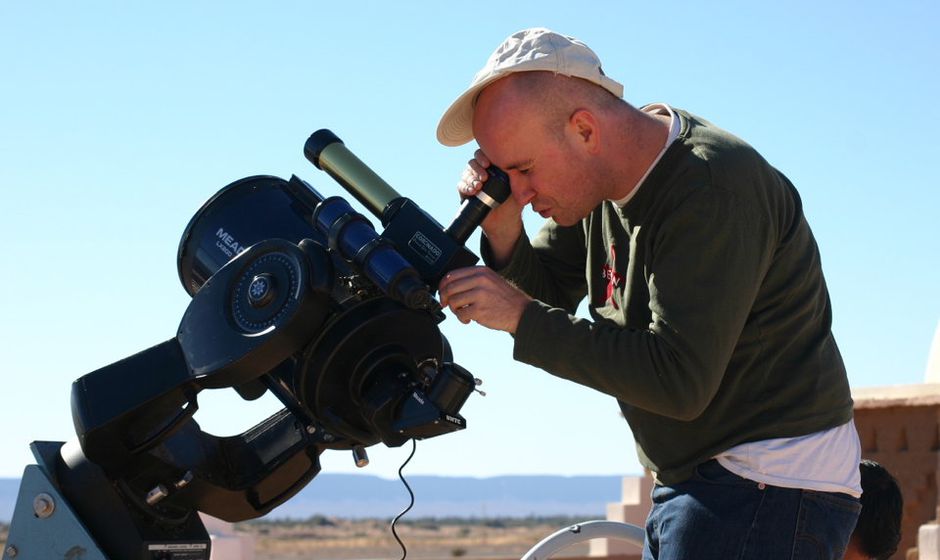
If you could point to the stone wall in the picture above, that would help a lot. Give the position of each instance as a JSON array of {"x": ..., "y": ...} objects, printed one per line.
[
  {"x": 900, "y": 428},
  {"x": 632, "y": 508}
]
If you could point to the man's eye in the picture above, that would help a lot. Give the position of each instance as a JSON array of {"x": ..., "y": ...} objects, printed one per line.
[{"x": 525, "y": 171}]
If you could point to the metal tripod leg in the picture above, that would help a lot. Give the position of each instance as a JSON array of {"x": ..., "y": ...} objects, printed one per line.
[{"x": 44, "y": 526}]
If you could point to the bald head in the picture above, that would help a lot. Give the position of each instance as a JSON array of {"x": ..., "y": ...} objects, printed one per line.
[{"x": 552, "y": 98}]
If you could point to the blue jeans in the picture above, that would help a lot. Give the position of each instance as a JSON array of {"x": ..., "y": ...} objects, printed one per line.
[{"x": 718, "y": 514}]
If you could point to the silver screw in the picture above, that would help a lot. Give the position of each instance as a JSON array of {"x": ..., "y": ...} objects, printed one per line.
[
  {"x": 187, "y": 478},
  {"x": 158, "y": 493},
  {"x": 360, "y": 457},
  {"x": 12, "y": 551},
  {"x": 43, "y": 505}
]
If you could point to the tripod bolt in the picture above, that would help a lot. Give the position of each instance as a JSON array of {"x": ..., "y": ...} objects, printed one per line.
[{"x": 43, "y": 505}]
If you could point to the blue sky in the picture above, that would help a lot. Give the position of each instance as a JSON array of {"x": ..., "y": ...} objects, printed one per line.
[{"x": 118, "y": 120}]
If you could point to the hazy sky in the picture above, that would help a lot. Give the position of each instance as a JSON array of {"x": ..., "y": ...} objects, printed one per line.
[{"x": 119, "y": 119}]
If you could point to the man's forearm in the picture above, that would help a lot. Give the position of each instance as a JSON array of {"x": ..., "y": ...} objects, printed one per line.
[{"x": 502, "y": 244}]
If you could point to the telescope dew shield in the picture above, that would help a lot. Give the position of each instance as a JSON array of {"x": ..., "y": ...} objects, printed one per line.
[
  {"x": 238, "y": 216},
  {"x": 327, "y": 152}
]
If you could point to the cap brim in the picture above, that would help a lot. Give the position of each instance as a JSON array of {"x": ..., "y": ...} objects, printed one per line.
[{"x": 456, "y": 126}]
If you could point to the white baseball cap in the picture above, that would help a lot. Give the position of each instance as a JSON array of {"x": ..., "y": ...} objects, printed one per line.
[{"x": 527, "y": 50}]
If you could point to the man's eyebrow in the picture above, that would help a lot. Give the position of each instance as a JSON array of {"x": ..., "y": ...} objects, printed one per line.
[{"x": 525, "y": 163}]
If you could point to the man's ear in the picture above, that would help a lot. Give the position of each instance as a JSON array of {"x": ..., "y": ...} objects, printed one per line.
[{"x": 584, "y": 124}]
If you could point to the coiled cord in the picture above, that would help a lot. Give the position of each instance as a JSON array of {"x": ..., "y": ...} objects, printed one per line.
[{"x": 404, "y": 551}]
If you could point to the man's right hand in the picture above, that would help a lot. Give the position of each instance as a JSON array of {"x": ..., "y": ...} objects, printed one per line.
[
  {"x": 503, "y": 225},
  {"x": 477, "y": 293}
]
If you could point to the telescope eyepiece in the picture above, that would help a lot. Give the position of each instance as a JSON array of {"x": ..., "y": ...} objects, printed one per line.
[{"x": 474, "y": 210}]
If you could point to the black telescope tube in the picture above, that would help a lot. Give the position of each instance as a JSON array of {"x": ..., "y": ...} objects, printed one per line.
[
  {"x": 327, "y": 152},
  {"x": 350, "y": 234},
  {"x": 474, "y": 210}
]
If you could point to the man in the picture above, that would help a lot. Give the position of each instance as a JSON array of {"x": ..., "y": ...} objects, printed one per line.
[
  {"x": 878, "y": 531},
  {"x": 710, "y": 318}
]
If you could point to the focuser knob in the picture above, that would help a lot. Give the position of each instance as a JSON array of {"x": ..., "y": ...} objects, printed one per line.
[
  {"x": 262, "y": 290},
  {"x": 262, "y": 293}
]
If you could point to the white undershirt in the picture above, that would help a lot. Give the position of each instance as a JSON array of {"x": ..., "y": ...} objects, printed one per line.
[
  {"x": 674, "y": 127},
  {"x": 825, "y": 461}
]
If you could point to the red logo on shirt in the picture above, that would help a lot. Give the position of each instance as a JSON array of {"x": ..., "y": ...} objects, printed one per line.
[{"x": 613, "y": 278}]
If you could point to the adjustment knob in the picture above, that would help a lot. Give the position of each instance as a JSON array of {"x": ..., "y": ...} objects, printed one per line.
[
  {"x": 262, "y": 290},
  {"x": 266, "y": 290}
]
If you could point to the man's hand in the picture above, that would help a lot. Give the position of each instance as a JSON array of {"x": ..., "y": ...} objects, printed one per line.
[
  {"x": 479, "y": 294},
  {"x": 503, "y": 225}
]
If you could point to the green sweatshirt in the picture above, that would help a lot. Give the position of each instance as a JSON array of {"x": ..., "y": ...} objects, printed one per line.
[{"x": 711, "y": 317}]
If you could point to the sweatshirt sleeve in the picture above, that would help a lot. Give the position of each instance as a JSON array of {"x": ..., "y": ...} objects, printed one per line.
[
  {"x": 707, "y": 258},
  {"x": 550, "y": 267}
]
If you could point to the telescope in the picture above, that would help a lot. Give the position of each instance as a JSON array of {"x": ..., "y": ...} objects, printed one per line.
[{"x": 295, "y": 294}]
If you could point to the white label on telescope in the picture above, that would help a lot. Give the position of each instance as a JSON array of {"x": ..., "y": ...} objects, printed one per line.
[
  {"x": 177, "y": 546},
  {"x": 180, "y": 551},
  {"x": 425, "y": 249},
  {"x": 228, "y": 244}
]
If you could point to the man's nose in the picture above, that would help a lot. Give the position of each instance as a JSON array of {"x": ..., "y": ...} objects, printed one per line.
[{"x": 521, "y": 192}]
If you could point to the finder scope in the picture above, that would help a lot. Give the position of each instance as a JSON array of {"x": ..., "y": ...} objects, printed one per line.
[{"x": 428, "y": 246}]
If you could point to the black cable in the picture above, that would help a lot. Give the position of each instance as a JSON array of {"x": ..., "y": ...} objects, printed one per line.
[{"x": 404, "y": 551}]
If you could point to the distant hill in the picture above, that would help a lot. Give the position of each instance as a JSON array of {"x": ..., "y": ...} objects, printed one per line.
[{"x": 357, "y": 496}]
